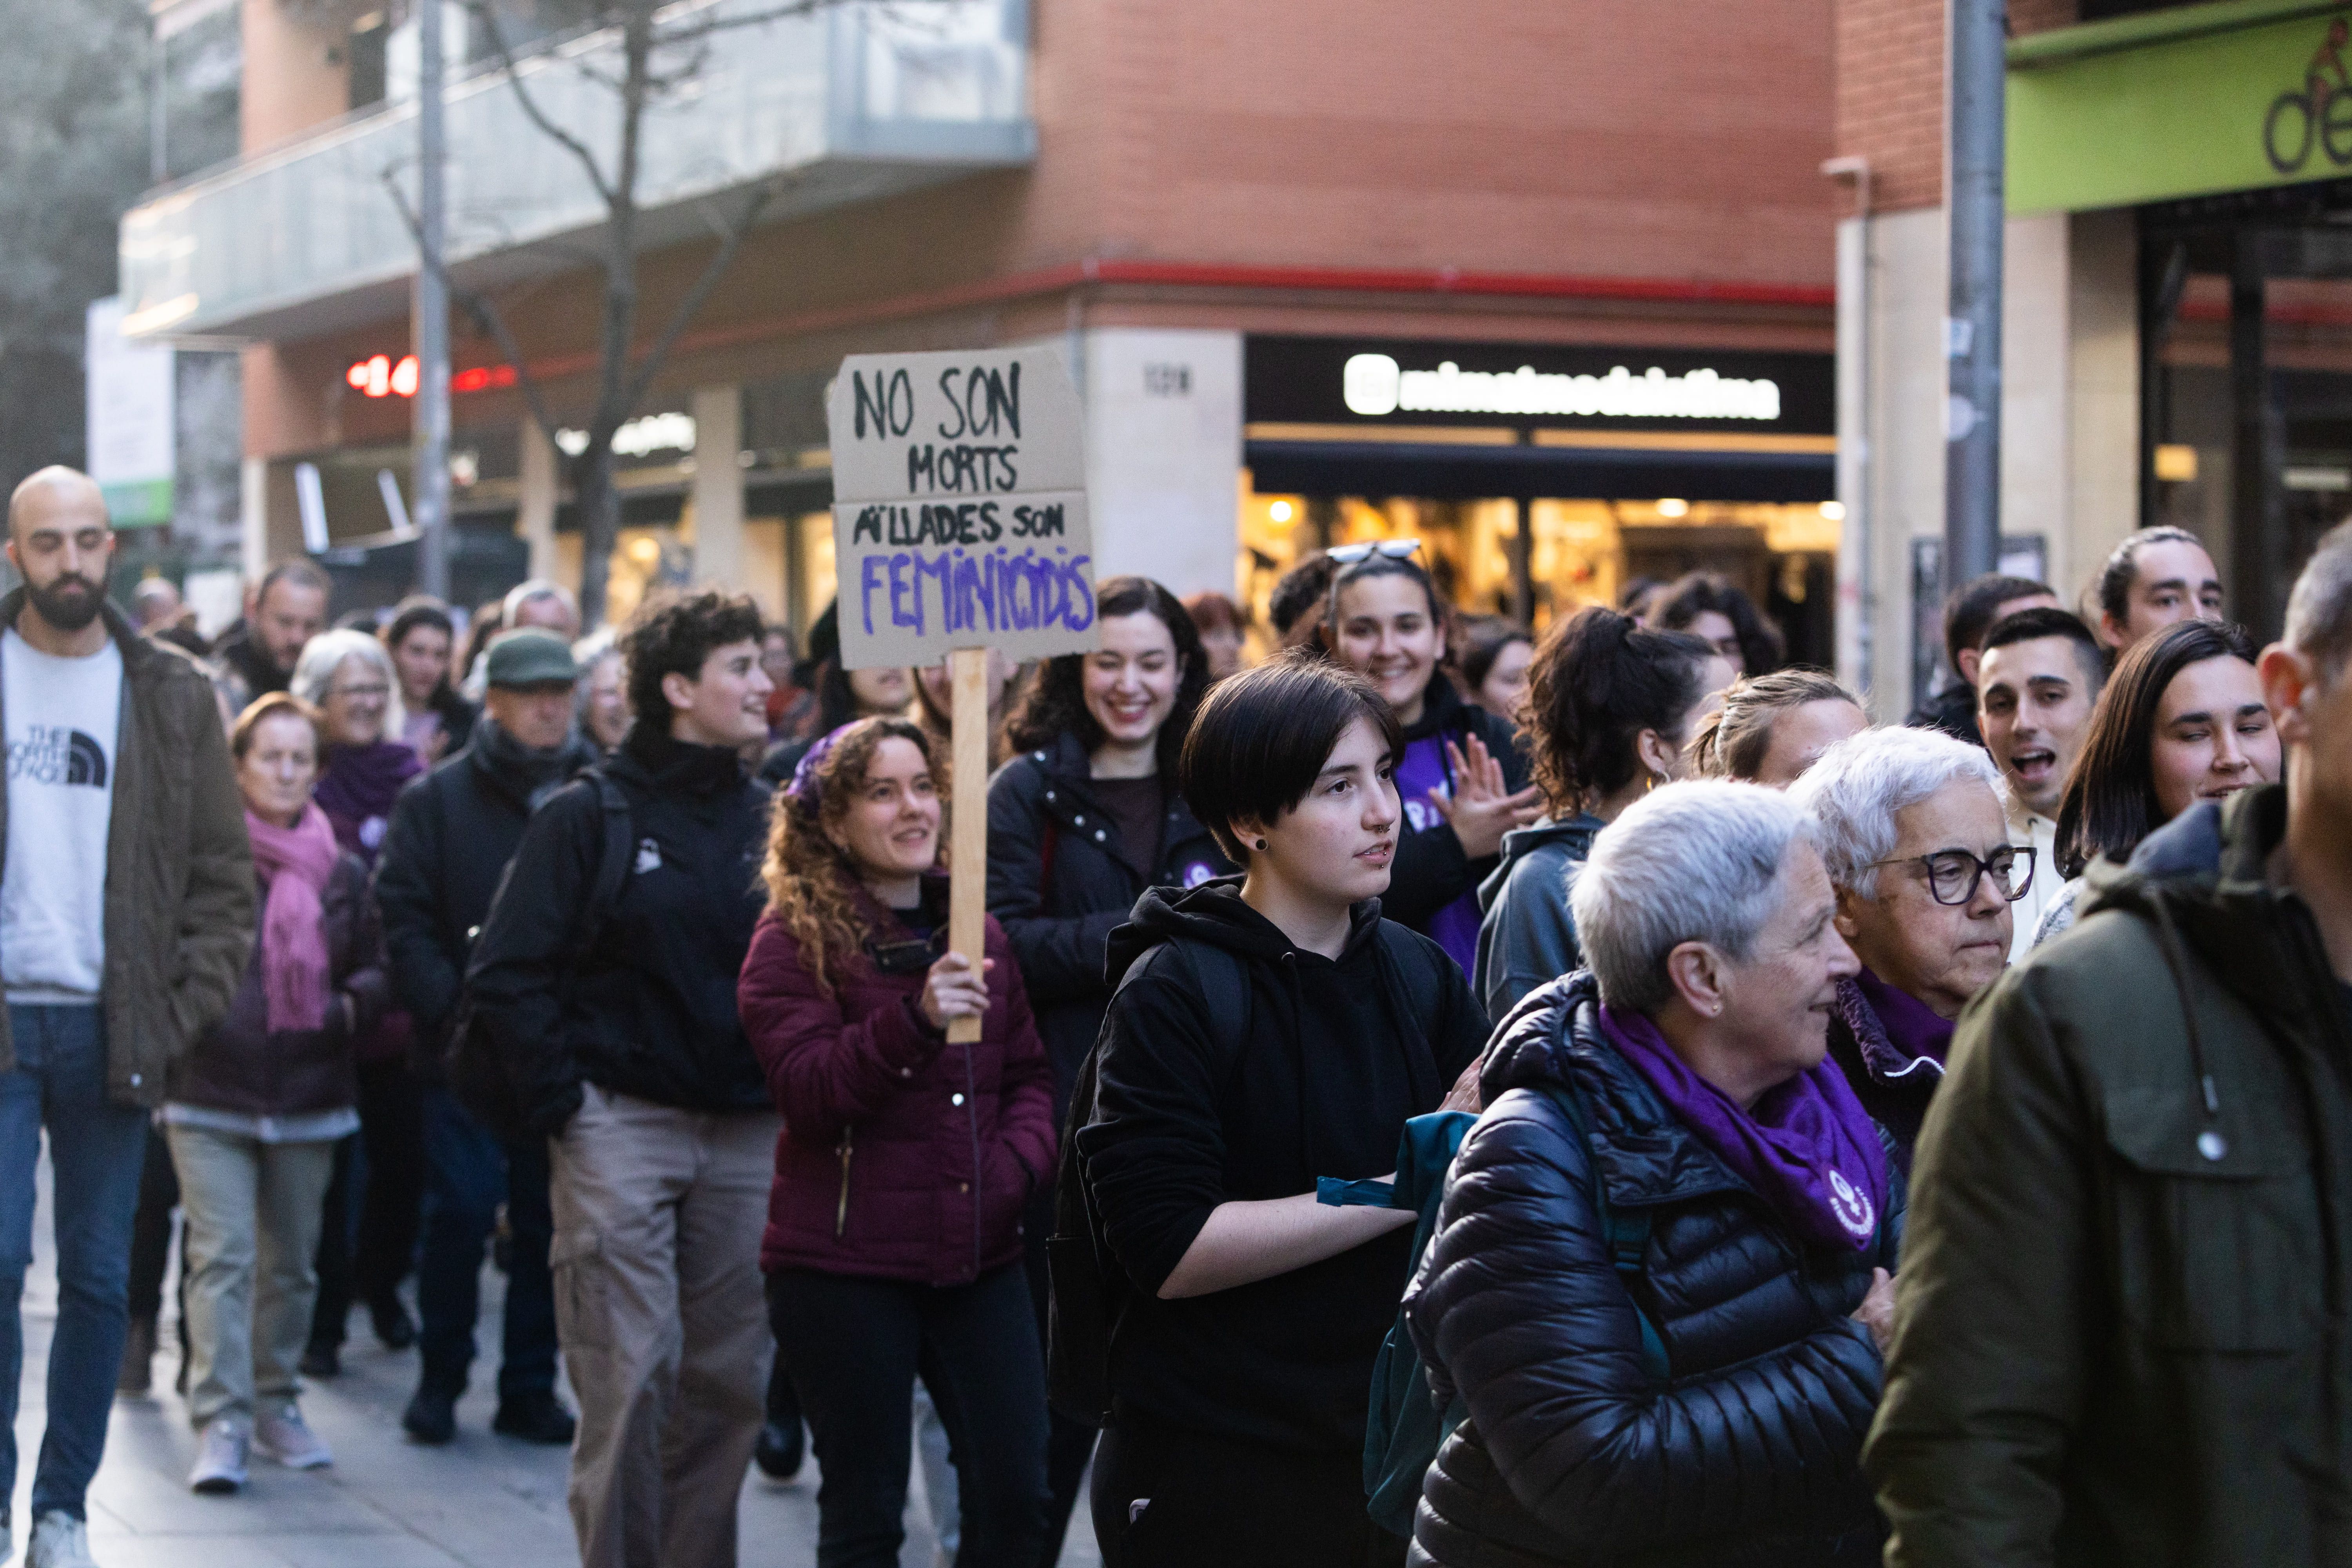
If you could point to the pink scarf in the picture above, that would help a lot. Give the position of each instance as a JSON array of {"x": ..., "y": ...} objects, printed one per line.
[{"x": 296, "y": 862}]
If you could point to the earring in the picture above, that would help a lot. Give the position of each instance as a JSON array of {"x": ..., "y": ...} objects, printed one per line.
[{"x": 1261, "y": 844}]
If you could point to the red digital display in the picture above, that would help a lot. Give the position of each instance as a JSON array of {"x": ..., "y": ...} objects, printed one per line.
[{"x": 381, "y": 375}]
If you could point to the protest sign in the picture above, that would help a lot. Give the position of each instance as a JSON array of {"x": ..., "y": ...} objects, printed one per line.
[
  {"x": 959, "y": 507},
  {"x": 959, "y": 525}
]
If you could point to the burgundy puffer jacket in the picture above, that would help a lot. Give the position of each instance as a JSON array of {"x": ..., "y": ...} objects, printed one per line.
[{"x": 902, "y": 1157}]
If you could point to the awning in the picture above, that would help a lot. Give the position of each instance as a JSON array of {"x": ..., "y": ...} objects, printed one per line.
[{"x": 1443, "y": 471}]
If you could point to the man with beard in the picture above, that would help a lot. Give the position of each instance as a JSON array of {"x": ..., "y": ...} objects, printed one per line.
[
  {"x": 451, "y": 837},
  {"x": 2036, "y": 684},
  {"x": 288, "y": 609},
  {"x": 126, "y": 915}
]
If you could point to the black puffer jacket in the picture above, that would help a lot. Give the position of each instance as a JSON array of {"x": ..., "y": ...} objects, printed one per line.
[
  {"x": 1570, "y": 1453},
  {"x": 1431, "y": 870},
  {"x": 1058, "y": 887}
]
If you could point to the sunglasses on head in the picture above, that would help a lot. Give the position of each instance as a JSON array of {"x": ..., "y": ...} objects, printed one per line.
[{"x": 1394, "y": 549}]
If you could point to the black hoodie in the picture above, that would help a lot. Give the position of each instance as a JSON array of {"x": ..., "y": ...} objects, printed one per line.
[{"x": 1333, "y": 1059}]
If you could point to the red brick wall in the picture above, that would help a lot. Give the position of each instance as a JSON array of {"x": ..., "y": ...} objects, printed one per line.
[{"x": 1890, "y": 88}]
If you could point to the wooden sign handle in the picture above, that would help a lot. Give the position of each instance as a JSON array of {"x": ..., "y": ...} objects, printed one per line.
[{"x": 968, "y": 853}]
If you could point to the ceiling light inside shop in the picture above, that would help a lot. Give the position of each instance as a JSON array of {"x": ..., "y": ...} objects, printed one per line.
[
  {"x": 2175, "y": 463},
  {"x": 644, "y": 551},
  {"x": 1279, "y": 511},
  {"x": 1673, "y": 506},
  {"x": 1834, "y": 510}
]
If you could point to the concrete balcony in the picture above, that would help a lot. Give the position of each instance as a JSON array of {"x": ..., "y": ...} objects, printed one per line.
[{"x": 850, "y": 104}]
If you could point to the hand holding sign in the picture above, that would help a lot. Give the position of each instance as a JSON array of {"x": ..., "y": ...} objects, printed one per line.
[{"x": 960, "y": 524}]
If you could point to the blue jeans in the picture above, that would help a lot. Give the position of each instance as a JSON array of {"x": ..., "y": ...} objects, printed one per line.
[
  {"x": 97, "y": 1149},
  {"x": 466, "y": 1173}
]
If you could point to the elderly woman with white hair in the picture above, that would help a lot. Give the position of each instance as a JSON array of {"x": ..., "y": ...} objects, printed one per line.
[
  {"x": 1911, "y": 828},
  {"x": 349, "y": 676},
  {"x": 1660, "y": 1281}
]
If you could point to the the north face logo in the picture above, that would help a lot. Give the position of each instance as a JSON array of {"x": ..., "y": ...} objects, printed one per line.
[{"x": 54, "y": 755}]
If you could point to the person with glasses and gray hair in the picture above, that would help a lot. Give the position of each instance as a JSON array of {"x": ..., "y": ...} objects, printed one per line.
[
  {"x": 1911, "y": 830},
  {"x": 1660, "y": 1281}
]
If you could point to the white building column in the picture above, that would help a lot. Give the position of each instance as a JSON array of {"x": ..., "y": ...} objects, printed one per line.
[
  {"x": 253, "y": 517},
  {"x": 535, "y": 517},
  {"x": 1164, "y": 454},
  {"x": 718, "y": 486}
]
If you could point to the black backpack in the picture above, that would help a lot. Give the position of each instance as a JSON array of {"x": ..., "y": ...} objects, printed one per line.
[
  {"x": 1089, "y": 1292},
  {"x": 477, "y": 1073}
]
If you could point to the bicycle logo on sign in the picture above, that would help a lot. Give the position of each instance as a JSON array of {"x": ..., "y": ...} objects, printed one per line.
[{"x": 2321, "y": 112}]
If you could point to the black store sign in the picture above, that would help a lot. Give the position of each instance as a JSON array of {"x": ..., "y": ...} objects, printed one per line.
[{"x": 1374, "y": 382}]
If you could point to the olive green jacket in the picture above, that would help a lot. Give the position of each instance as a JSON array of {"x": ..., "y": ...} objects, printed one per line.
[
  {"x": 179, "y": 908},
  {"x": 2121, "y": 1313}
]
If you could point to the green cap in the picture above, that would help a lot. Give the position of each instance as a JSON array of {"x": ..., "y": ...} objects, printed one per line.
[{"x": 532, "y": 657}]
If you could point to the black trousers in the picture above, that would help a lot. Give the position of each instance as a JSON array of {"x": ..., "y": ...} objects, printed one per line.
[
  {"x": 1068, "y": 1444},
  {"x": 385, "y": 1186},
  {"x": 1168, "y": 1498},
  {"x": 856, "y": 1347}
]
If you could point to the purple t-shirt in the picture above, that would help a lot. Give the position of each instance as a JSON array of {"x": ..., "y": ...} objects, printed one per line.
[{"x": 1453, "y": 927}]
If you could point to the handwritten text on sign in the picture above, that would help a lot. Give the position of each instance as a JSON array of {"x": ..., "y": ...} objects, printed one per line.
[{"x": 959, "y": 507}]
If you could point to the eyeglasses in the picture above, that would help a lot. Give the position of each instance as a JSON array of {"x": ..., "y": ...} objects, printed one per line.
[
  {"x": 1394, "y": 548},
  {"x": 1953, "y": 874}
]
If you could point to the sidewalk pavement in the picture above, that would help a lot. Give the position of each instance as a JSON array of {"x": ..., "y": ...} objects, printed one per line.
[{"x": 484, "y": 1501}]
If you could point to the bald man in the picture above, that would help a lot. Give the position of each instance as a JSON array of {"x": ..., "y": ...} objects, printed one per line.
[{"x": 126, "y": 919}]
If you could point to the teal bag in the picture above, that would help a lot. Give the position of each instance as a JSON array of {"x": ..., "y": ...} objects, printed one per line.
[{"x": 1404, "y": 1428}]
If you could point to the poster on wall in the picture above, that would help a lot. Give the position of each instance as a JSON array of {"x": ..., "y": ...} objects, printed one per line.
[
  {"x": 129, "y": 433},
  {"x": 960, "y": 512}
]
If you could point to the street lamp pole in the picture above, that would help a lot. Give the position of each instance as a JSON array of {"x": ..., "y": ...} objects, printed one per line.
[
  {"x": 1972, "y": 330},
  {"x": 431, "y": 312}
]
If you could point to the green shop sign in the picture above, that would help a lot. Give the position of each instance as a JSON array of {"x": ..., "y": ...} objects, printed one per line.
[{"x": 2181, "y": 102}]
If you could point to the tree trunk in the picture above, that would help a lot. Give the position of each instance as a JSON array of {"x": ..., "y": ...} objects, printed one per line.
[{"x": 598, "y": 501}]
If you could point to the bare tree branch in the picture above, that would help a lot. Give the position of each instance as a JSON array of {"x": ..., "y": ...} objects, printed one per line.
[
  {"x": 478, "y": 308},
  {"x": 710, "y": 25},
  {"x": 530, "y": 108},
  {"x": 651, "y": 363}
]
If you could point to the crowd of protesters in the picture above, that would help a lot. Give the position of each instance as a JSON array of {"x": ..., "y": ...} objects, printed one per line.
[{"x": 1444, "y": 1091}]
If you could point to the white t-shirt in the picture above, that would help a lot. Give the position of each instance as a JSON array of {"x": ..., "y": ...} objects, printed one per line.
[{"x": 63, "y": 719}]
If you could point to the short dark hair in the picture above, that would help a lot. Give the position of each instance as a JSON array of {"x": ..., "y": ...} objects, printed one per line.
[
  {"x": 1262, "y": 735},
  {"x": 677, "y": 636},
  {"x": 1969, "y": 613},
  {"x": 2046, "y": 621},
  {"x": 1683, "y": 601},
  {"x": 1057, "y": 703},
  {"x": 1601, "y": 677},
  {"x": 300, "y": 573},
  {"x": 2122, "y": 568},
  {"x": 1482, "y": 641},
  {"x": 1298, "y": 591},
  {"x": 2110, "y": 801},
  {"x": 2319, "y": 610}
]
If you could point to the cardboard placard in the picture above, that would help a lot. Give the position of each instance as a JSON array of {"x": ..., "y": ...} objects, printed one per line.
[{"x": 959, "y": 507}]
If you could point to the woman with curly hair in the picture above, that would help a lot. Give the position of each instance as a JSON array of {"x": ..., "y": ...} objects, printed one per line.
[
  {"x": 893, "y": 1242},
  {"x": 1709, "y": 605},
  {"x": 1610, "y": 708}
]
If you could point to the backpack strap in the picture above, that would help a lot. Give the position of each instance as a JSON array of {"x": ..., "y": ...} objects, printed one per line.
[
  {"x": 1628, "y": 1231},
  {"x": 619, "y": 854}
]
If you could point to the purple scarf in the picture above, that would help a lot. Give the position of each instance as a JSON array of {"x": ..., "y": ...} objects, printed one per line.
[
  {"x": 1807, "y": 1149},
  {"x": 295, "y": 862},
  {"x": 356, "y": 790},
  {"x": 1910, "y": 1031}
]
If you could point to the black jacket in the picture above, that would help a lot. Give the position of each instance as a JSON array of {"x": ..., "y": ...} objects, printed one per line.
[
  {"x": 240, "y": 1065},
  {"x": 452, "y": 834},
  {"x": 1953, "y": 711},
  {"x": 1431, "y": 870},
  {"x": 1334, "y": 1057},
  {"x": 1894, "y": 1087},
  {"x": 652, "y": 1011},
  {"x": 1041, "y": 807},
  {"x": 1570, "y": 1453}
]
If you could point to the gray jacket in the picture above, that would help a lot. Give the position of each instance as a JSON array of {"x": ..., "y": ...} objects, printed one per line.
[{"x": 1528, "y": 937}]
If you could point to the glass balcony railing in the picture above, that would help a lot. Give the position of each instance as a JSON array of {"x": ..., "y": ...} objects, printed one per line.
[{"x": 850, "y": 104}]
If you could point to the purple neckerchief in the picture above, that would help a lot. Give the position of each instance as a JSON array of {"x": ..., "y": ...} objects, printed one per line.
[
  {"x": 1897, "y": 1034},
  {"x": 1809, "y": 1149}
]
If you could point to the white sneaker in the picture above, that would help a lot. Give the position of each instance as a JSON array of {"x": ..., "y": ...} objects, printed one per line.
[
  {"x": 220, "y": 1456},
  {"x": 283, "y": 1434},
  {"x": 59, "y": 1540}
]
